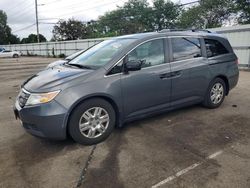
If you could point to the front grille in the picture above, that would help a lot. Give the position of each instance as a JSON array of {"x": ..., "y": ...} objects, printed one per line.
[{"x": 23, "y": 97}]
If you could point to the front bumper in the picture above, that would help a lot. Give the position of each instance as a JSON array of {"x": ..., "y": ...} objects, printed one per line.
[{"x": 45, "y": 120}]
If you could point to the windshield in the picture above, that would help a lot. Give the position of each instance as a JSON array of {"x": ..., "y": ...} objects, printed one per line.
[
  {"x": 72, "y": 56},
  {"x": 102, "y": 53}
]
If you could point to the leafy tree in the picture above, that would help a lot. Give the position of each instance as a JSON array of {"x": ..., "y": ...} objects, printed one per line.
[
  {"x": 92, "y": 29},
  {"x": 69, "y": 30},
  {"x": 207, "y": 14},
  {"x": 4, "y": 28},
  {"x": 192, "y": 17},
  {"x": 243, "y": 8},
  {"x": 165, "y": 14},
  {"x": 131, "y": 18},
  {"x": 32, "y": 38},
  {"x": 13, "y": 39},
  {"x": 137, "y": 16},
  {"x": 111, "y": 22}
]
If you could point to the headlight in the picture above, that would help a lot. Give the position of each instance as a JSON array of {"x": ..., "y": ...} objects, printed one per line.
[{"x": 39, "y": 98}]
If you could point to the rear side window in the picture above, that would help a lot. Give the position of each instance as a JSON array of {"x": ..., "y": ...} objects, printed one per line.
[
  {"x": 186, "y": 48},
  {"x": 214, "y": 48}
]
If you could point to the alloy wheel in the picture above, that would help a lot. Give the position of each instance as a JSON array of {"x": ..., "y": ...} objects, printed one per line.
[
  {"x": 94, "y": 122},
  {"x": 217, "y": 93}
]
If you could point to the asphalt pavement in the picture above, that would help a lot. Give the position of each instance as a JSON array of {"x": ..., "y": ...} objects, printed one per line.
[{"x": 190, "y": 147}]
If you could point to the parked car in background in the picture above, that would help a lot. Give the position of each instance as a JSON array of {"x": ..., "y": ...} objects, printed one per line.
[
  {"x": 127, "y": 78},
  {"x": 8, "y": 53},
  {"x": 67, "y": 59}
]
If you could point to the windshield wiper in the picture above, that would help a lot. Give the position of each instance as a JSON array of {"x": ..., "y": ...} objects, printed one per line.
[{"x": 79, "y": 66}]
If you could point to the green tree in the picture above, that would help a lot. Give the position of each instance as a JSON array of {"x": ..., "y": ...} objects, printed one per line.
[
  {"x": 69, "y": 30},
  {"x": 92, "y": 28},
  {"x": 165, "y": 14},
  {"x": 207, "y": 14},
  {"x": 111, "y": 23},
  {"x": 137, "y": 16},
  {"x": 6, "y": 37},
  {"x": 4, "y": 28},
  {"x": 32, "y": 38},
  {"x": 13, "y": 39},
  {"x": 133, "y": 17},
  {"x": 192, "y": 17},
  {"x": 243, "y": 9}
]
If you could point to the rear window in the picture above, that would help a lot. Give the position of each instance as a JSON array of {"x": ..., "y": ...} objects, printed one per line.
[
  {"x": 214, "y": 48},
  {"x": 186, "y": 48}
]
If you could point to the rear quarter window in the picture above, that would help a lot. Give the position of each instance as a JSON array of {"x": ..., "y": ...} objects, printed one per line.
[{"x": 215, "y": 48}]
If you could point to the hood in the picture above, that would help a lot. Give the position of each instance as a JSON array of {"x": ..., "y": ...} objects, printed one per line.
[
  {"x": 58, "y": 62},
  {"x": 48, "y": 79}
]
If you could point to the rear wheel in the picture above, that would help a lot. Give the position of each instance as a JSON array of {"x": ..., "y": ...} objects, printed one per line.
[
  {"x": 92, "y": 121},
  {"x": 215, "y": 94},
  {"x": 15, "y": 55}
]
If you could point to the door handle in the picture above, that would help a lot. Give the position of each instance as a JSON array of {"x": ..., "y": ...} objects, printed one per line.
[
  {"x": 170, "y": 74},
  {"x": 176, "y": 74},
  {"x": 165, "y": 75}
]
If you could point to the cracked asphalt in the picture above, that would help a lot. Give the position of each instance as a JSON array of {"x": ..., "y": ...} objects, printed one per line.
[{"x": 141, "y": 154}]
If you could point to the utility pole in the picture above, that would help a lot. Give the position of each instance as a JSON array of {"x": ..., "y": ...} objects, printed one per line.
[{"x": 37, "y": 28}]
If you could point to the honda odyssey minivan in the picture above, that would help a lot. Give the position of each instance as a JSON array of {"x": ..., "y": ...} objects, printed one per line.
[{"x": 127, "y": 78}]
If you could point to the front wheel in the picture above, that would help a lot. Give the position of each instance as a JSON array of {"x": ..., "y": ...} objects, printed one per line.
[
  {"x": 92, "y": 121},
  {"x": 215, "y": 94}
]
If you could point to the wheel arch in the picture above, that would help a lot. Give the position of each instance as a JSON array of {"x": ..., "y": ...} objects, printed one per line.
[
  {"x": 15, "y": 55},
  {"x": 82, "y": 100},
  {"x": 225, "y": 79}
]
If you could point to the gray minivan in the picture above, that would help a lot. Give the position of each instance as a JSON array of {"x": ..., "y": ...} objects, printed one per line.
[{"x": 126, "y": 78}]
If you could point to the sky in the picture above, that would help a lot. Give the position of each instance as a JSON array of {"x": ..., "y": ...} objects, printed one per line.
[{"x": 21, "y": 13}]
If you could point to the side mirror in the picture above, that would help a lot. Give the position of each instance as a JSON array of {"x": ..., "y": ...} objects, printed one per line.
[{"x": 133, "y": 65}]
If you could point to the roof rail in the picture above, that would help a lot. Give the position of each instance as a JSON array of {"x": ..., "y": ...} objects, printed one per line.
[{"x": 180, "y": 30}]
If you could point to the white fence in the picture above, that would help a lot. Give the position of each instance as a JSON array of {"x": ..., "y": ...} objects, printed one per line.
[
  {"x": 239, "y": 37},
  {"x": 48, "y": 48}
]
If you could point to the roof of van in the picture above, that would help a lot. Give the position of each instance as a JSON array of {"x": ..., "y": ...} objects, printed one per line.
[{"x": 170, "y": 33}]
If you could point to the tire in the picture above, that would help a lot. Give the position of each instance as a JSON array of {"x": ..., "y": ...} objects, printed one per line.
[
  {"x": 215, "y": 94},
  {"x": 92, "y": 121},
  {"x": 15, "y": 56}
]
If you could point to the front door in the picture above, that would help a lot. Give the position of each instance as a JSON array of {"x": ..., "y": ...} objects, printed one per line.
[{"x": 147, "y": 89}]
